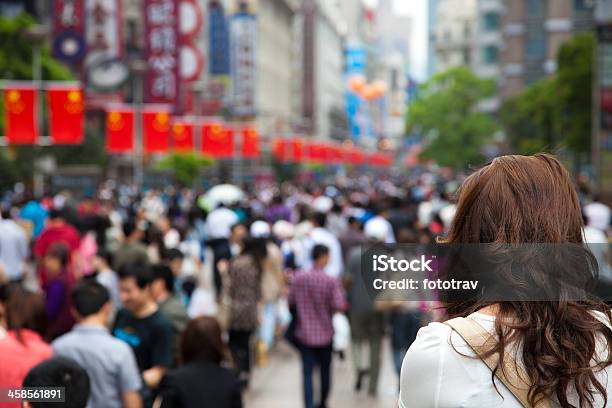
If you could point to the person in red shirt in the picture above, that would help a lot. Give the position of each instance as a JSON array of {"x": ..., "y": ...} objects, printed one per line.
[
  {"x": 57, "y": 230},
  {"x": 23, "y": 346}
]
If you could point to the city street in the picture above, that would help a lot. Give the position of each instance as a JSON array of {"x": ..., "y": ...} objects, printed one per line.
[{"x": 279, "y": 385}]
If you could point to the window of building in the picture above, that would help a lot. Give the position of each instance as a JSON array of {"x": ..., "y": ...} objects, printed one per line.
[
  {"x": 536, "y": 46},
  {"x": 583, "y": 5},
  {"x": 467, "y": 58},
  {"x": 491, "y": 21},
  {"x": 490, "y": 54},
  {"x": 535, "y": 7},
  {"x": 467, "y": 30}
]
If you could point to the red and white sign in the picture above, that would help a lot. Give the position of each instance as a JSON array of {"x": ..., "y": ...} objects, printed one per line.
[
  {"x": 162, "y": 51},
  {"x": 66, "y": 114},
  {"x": 20, "y": 106},
  {"x": 69, "y": 30}
]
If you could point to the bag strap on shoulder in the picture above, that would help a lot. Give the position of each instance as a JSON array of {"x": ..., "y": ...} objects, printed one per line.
[{"x": 511, "y": 375}]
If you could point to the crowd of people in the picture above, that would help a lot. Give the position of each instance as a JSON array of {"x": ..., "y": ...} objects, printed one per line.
[{"x": 164, "y": 299}]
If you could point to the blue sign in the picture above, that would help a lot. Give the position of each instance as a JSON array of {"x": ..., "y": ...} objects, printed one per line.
[
  {"x": 355, "y": 60},
  {"x": 219, "y": 46}
]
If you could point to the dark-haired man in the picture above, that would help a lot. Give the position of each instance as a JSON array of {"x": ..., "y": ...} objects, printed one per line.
[
  {"x": 110, "y": 363},
  {"x": 141, "y": 325},
  {"x": 169, "y": 303},
  {"x": 316, "y": 297},
  {"x": 59, "y": 372},
  {"x": 132, "y": 250}
]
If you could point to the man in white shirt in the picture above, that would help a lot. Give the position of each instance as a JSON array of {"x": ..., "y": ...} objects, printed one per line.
[
  {"x": 320, "y": 235},
  {"x": 598, "y": 214},
  {"x": 13, "y": 247}
]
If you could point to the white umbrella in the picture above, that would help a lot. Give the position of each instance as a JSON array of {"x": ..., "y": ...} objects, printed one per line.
[{"x": 226, "y": 194}]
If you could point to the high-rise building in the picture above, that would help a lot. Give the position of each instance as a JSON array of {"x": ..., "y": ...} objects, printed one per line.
[
  {"x": 454, "y": 33},
  {"x": 533, "y": 31},
  {"x": 322, "y": 32},
  {"x": 488, "y": 45}
]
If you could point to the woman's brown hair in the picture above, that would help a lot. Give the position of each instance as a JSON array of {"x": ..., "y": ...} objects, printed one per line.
[
  {"x": 201, "y": 340},
  {"x": 523, "y": 200},
  {"x": 25, "y": 310}
]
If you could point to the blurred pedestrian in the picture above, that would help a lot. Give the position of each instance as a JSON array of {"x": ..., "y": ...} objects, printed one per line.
[
  {"x": 106, "y": 276},
  {"x": 59, "y": 372},
  {"x": 131, "y": 250},
  {"x": 143, "y": 327},
  {"x": 244, "y": 291},
  {"x": 57, "y": 286},
  {"x": 203, "y": 379},
  {"x": 320, "y": 235},
  {"x": 162, "y": 291},
  {"x": 316, "y": 297},
  {"x": 367, "y": 323},
  {"x": 14, "y": 247},
  {"x": 23, "y": 345},
  {"x": 109, "y": 362}
]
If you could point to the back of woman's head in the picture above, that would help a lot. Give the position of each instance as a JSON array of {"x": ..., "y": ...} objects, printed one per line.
[
  {"x": 526, "y": 200},
  {"x": 518, "y": 200},
  {"x": 201, "y": 341},
  {"x": 25, "y": 310}
]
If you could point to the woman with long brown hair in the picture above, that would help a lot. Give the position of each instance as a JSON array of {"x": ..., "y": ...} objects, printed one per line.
[{"x": 531, "y": 353}]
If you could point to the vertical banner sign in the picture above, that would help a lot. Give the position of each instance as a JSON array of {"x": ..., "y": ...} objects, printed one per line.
[
  {"x": 217, "y": 141},
  {"x": 68, "y": 30},
  {"x": 191, "y": 58},
  {"x": 356, "y": 60},
  {"x": 182, "y": 136},
  {"x": 66, "y": 114},
  {"x": 243, "y": 39},
  {"x": 218, "y": 37},
  {"x": 105, "y": 70},
  {"x": 120, "y": 129},
  {"x": 250, "y": 143},
  {"x": 162, "y": 51},
  {"x": 20, "y": 105},
  {"x": 156, "y": 129}
]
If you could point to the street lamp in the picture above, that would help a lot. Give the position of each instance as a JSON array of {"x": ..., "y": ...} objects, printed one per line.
[{"x": 138, "y": 69}]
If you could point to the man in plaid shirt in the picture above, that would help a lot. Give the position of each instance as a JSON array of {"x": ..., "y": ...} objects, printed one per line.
[{"x": 316, "y": 297}]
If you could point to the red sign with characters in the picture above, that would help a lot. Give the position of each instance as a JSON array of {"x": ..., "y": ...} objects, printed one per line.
[
  {"x": 217, "y": 140},
  {"x": 20, "y": 106},
  {"x": 66, "y": 114},
  {"x": 250, "y": 143},
  {"x": 162, "y": 51},
  {"x": 120, "y": 130},
  {"x": 182, "y": 136},
  {"x": 156, "y": 130}
]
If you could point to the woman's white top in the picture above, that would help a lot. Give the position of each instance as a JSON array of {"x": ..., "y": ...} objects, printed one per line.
[{"x": 434, "y": 375}]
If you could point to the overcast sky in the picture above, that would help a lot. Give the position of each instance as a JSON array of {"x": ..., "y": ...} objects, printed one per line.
[{"x": 417, "y": 10}]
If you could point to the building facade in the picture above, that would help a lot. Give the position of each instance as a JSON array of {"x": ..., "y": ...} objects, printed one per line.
[
  {"x": 532, "y": 32},
  {"x": 454, "y": 33}
]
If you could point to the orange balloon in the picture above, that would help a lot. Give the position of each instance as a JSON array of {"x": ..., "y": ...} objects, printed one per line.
[{"x": 356, "y": 83}]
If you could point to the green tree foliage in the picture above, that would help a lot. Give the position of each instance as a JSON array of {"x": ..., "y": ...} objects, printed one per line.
[
  {"x": 555, "y": 112},
  {"x": 185, "y": 166},
  {"x": 447, "y": 115},
  {"x": 574, "y": 83}
]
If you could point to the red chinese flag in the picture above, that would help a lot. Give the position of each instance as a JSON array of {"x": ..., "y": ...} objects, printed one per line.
[
  {"x": 217, "y": 141},
  {"x": 250, "y": 143},
  {"x": 155, "y": 130},
  {"x": 357, "y": 157},
  {"x": 20, "y": 114},
  {"x": 120, "y": 130},
  {"x": 297, "y": 154},
  {"x": 316, "y": 152},
  {"x": 66, "y": 109},
  {"x": 278, "y": 150},
  {"x": 182, "y": 136}
]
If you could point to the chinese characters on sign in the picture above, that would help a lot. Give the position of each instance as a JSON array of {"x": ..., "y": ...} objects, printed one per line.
[
  {"x": 243, "y": 32},
  {"x": 68, "y": 30},
  {"x": 161, "y": 51}
]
